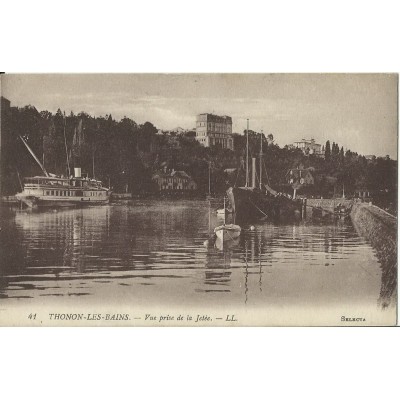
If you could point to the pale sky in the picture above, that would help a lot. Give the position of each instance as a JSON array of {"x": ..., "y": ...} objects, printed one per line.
[{"x": 357, "y": 111}]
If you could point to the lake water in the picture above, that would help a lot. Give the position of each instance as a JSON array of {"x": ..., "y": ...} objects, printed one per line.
[{"x": 152, "y": 256}]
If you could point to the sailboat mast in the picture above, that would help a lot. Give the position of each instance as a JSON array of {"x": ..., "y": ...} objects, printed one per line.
[
  {"x": 93, "y": 165},
  {"x": 66, "y": 149},
  {"x": 209, "y": 178},
  {"x": 261, "y": 158},
  {"x": 224, "y": 212},
  {"x": 247, "y": 154}
]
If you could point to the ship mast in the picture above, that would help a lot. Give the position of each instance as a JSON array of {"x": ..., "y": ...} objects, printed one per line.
[
  {"x": 66, "y": 149},
  {"x": 224, "y": 212},
  {"x": 209, "y": 178},
  {"x": 34, "y": 156},
  {"x": 247, "y": 154},
  {"x": 261, "y": 158}
]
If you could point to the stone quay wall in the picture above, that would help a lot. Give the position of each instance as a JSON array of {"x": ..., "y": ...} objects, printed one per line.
[
  {"x": 328, "y": 204},
  {"x": 380, "y": 229}
]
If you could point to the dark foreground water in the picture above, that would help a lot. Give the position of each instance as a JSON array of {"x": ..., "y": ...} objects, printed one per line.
[{"x": 151, "y": 255}]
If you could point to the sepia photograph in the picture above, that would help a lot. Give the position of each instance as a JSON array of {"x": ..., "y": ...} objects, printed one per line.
[
  {"x": 199, "y": 200},
  {"x": 218, "y": 200}
]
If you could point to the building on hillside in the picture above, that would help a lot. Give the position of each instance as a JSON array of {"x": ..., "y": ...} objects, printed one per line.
[
  {"x": 178, "y": 130},
  {"x": 174, "y": 181},
  {"x": 363, "y": 193},
  {"x": 214, "y": 130},
  {"x": 309, "y": 147},
  {"x": 300, "y": 177}
]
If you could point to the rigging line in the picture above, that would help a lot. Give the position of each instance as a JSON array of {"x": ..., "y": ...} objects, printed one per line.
[
  {"x": 19, "y": 179},
  {"x": 266, "y": 173},
  {"x": 230, "y": 236},
  {"x": 257, "y": 177},
  {"x": 261, "y": 211}
]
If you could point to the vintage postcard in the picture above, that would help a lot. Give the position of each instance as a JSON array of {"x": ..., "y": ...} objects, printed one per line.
[{"x": 198, "y": 200}]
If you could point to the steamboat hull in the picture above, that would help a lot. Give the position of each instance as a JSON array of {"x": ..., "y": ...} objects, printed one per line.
[
  {"x": 43, "y": 202},
  {"x": 250, "y": 204}
]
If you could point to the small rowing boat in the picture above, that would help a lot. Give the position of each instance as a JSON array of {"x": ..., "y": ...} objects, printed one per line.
[{"x": 227, "y": 231}]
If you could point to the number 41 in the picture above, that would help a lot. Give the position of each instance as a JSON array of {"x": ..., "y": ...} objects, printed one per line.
[{"x": 32, "y": 316}]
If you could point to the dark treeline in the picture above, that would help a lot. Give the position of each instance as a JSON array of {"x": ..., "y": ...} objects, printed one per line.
[{"x": 126, "y": 154}]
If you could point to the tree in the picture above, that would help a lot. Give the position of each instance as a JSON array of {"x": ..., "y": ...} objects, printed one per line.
[
  {"x": 334, "y": 150},
  {"x": 327, "y": 150},
  {"x": 341, "y": 155},
  {"x": 53, "y": 149}
]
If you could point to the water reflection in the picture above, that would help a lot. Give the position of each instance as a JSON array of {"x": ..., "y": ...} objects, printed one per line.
[{"x": 152, "y": 252}]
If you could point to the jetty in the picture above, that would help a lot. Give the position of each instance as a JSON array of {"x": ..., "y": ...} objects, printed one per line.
[
  {"x": 329, "y": 205},
  {"x": 380, "y": 229}
]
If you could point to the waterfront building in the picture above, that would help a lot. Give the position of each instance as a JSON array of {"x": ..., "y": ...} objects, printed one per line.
[
  {"x": 363, "y": 193},
  {"x": 299, "y": 176},
  {"x": 308, "y": 146},
  {"x": 174, "y": 181},
  {"x": 214, "y": 130}
]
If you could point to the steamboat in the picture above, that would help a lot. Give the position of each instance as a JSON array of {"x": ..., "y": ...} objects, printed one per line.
[{"x": 49, "y": 190}]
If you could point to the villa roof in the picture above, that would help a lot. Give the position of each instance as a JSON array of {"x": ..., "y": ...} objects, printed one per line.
[{"x": 169, "y": 174}]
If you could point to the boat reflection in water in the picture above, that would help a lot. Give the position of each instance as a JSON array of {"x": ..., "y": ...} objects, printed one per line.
[
  {"x": 227, "y": 232},
  {"x": 222, "y": 245},
  {"x": 152, "y": 253}
]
